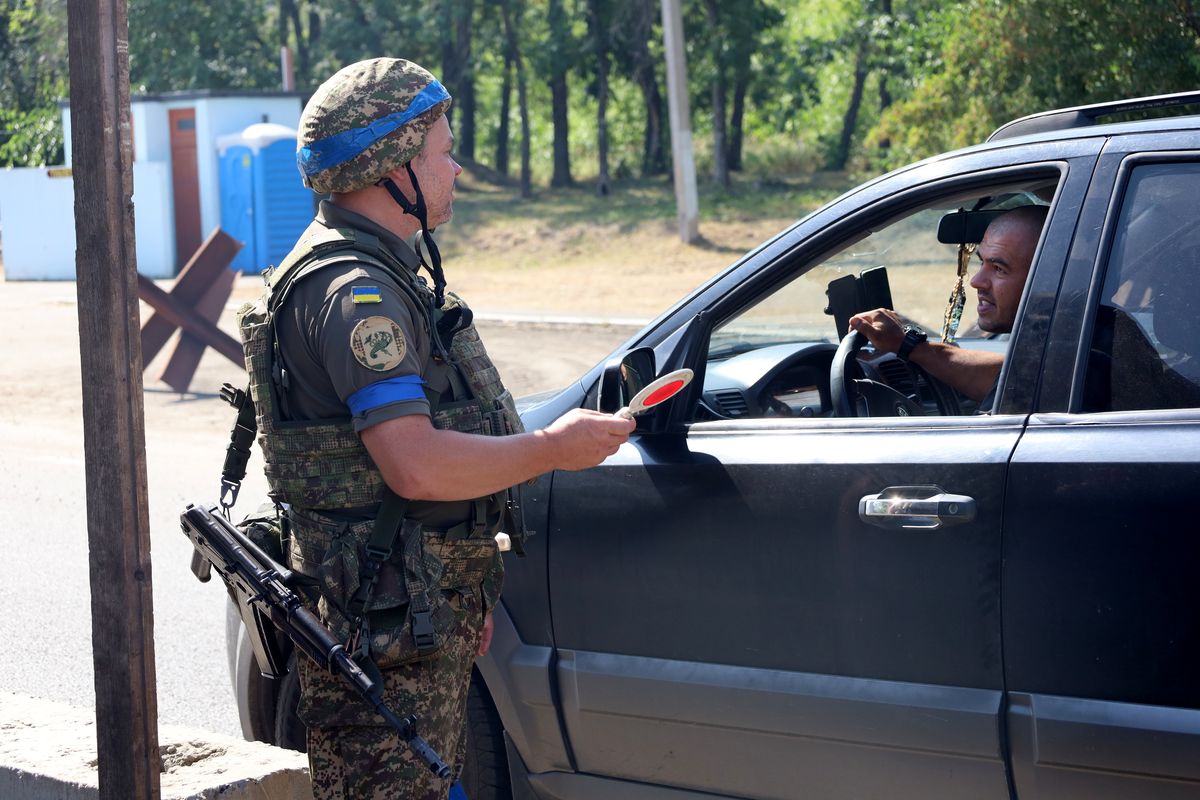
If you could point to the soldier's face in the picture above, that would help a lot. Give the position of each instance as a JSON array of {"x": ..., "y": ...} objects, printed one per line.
[{"x": 436, "y": 170}]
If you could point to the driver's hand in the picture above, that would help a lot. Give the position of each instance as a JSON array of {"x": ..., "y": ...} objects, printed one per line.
[{"x": 882, "y": 327}]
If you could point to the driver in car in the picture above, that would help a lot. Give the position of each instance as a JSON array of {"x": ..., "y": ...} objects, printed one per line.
[{"x": 1005, "y": 254}]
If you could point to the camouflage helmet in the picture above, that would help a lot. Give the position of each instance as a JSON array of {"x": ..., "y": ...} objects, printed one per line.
[{"x": 365, "y": 121}]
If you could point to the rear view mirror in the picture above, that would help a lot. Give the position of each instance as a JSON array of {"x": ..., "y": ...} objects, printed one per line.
[
  {"x": 625, "y": 376},
  {"x": 966, "y": 227}
]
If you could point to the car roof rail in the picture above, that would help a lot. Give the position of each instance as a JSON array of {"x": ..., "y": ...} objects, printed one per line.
[{"x": 1081, "y": 116}]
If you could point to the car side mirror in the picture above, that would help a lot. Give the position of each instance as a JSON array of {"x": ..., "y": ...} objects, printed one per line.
[{"x": 624, "y": 376}]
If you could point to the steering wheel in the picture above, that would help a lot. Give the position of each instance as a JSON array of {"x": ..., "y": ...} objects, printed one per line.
[
  {"x": 841, "y": 372},
  {"x": 845, "y": 391}
]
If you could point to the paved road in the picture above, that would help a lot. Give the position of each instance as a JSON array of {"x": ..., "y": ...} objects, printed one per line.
[{"x": 44, "y": 582}]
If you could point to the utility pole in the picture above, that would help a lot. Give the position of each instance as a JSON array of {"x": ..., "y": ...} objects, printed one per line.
[
  {"x": 114, "y": 436},
  {"x": 286, "y": 71},
  {"x": 681, "y": 123}
]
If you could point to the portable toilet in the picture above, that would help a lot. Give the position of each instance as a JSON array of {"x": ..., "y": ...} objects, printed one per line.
[{"x": 263, "y": 202}]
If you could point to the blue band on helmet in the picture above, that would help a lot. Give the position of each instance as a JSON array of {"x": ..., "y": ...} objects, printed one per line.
[
  {"x": 341, "y": 147},
  {"x": 386, "y": 392}
]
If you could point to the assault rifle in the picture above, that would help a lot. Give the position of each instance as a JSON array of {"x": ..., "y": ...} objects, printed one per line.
[{"x": 261, "y": 588}]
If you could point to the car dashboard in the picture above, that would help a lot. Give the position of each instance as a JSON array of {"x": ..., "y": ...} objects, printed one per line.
[
  {"x": 792, "y": 380},
  {"x": 781, "y": 380}
]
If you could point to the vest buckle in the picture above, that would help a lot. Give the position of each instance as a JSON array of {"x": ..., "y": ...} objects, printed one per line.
[{"x": 423, "y": 633}]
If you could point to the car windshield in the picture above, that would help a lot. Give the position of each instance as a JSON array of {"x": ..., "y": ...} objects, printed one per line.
[{"x": 920, "y": 269}]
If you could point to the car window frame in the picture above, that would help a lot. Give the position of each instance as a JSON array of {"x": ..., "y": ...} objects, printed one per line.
[
  {"x": 811, "y": 251},
  {"x": 1128, "y": 163}
]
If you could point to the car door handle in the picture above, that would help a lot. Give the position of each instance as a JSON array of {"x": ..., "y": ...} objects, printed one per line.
[{"x": 918, "y": 507}]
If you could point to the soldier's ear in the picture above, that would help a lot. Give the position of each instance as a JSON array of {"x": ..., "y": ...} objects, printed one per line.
[{"x": 399, "y": 176}]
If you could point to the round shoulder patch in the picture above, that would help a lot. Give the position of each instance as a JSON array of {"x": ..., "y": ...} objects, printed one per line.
[{"x": 378, "y": 344}]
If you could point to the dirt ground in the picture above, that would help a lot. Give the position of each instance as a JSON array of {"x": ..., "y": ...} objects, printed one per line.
[{"x": 604, "y": 271}]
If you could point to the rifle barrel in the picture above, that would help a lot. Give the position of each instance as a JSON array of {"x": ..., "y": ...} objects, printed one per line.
[{"x": 261, "y": 585}]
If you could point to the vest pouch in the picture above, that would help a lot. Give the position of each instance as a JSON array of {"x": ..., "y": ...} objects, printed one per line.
[
  {"x": 464, "y": 416},
  {"x": 390, "y": 617},
  {"x": 469, "y": 416},
  {"x": 508, "y": 411},
  {"x": 466, "y": 562},
  {"x": 266, "y": 529},
  {"x": 393, "y": 616}
]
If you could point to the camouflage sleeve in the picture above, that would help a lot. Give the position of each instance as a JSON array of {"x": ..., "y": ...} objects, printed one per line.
[{"x": 493, "y": 581}]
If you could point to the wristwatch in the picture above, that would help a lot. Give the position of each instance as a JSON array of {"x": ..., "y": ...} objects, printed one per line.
[{"x": 913, "y": 336}]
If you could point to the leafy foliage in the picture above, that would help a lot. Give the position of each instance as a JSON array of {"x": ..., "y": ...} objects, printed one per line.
[
  {"x": 195, "y": 44},
  {"x": 30, "y": 138},
  {"x": 980, "y": 63},
  {"x": 33, "y": 68},
  {"x": 795, "y": 84}
]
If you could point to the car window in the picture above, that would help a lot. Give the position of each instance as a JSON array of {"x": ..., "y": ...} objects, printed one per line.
[
  {"x": 767, "y": 359},
  {"x": 920, "y": 272},
  {"x": 1145, "y": 351}
]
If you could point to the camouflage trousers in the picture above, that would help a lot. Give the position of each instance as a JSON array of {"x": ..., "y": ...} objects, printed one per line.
[{"x": 353, "y": 755}]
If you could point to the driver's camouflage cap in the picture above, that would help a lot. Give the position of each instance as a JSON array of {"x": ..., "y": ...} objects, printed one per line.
[{"x": 365, "y": 121}]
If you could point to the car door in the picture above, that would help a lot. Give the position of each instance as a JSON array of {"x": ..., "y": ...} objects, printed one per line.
[
  {"x": 725, "y": 621},
  {"x": 1101, "y": 578}
]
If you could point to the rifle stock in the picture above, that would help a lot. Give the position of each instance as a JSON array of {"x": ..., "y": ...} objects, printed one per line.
[{"x": 260, "y": 586}]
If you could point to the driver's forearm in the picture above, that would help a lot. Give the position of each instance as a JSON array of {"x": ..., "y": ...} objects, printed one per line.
[{"x": 971, "y": 372}]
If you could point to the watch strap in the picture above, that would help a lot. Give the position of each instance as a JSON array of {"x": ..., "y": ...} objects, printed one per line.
[{"x": 912, "y": 337}]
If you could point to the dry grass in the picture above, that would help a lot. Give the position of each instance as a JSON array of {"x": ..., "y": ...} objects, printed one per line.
[{"x": 571, "y": 252}]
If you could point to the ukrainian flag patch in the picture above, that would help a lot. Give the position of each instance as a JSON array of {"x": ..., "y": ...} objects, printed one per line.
[{"x": 365, "y": 294}]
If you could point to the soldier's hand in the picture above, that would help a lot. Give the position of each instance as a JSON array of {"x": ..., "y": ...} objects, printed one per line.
[
  {"x": 583, "y": 438},
  {"x": 485, "y": 636},
  {"x": 882, "y": 328}
]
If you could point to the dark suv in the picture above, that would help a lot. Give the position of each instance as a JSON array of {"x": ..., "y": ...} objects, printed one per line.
[{"x": 758, "y": 597}]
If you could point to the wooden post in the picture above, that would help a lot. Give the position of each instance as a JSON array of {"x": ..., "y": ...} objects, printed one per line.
[
  {"x": 113, "y": 426},
  {"x": 681, "y": 123}
]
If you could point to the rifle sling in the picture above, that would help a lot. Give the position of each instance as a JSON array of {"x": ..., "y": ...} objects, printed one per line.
[{"x": 241, "y": 439}]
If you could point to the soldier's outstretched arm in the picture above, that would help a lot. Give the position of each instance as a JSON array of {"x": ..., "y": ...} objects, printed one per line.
[{"x": 421, "y": 462}]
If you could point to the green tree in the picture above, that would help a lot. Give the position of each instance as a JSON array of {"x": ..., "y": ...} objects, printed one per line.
[
  {"x": 458, "y": 73},
  {"x": 33, "y": 77},
  {"x": 197, "y": 44},
  {"x": 558, "y": 56},
  {"x": 352, "y": 30},
  {"x": 983, "y": 62},
  {"x": 747, "y": 40},
  {"x": 717, "y": 85},
  {"x": 522, "y": 97},
  {"x": 636, "y": 32},
  {"x": 299, "y": 28},
  {"x": 600, "y": 23},
  {"x": 878, "y": 32},
  {"x": 729, "y": 35}
]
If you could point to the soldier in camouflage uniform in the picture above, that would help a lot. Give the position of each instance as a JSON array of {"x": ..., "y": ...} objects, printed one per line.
[{"x": 379, "y": 410}]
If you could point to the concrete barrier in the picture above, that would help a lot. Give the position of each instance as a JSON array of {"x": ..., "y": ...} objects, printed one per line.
[{"x": 48, "y": 752}]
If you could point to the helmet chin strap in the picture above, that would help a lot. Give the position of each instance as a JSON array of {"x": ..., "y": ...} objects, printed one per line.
[{"x": 418, "y": 210}]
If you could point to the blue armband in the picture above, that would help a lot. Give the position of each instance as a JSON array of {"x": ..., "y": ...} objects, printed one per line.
[{"x": 382, "y": 393}]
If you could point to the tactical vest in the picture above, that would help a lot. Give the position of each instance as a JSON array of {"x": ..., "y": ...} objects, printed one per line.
[
  {"x": 323, "y": 464},
  {"x": 323, "y": 472}
]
